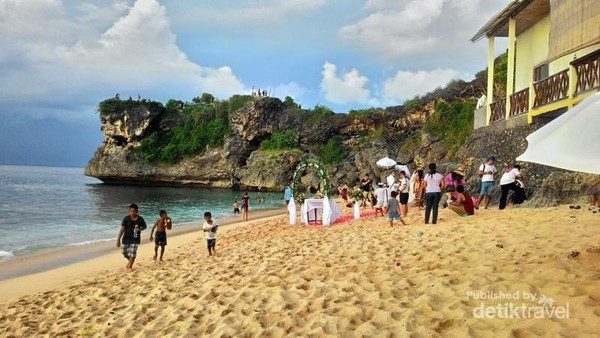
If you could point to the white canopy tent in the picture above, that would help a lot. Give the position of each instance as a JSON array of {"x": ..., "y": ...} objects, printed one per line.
[{"x": 571, "y": 141}]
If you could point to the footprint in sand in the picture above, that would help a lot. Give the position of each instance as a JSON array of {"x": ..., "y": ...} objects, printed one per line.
[
  {"x": 573, "y": 254},
  {"x": 594, "y": 250}
]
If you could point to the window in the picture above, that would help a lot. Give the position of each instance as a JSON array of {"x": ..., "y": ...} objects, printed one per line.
[{"x": 540, "y": 72}]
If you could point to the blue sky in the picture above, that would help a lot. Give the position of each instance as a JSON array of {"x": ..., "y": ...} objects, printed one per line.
[{"x": 60, "y": 58}]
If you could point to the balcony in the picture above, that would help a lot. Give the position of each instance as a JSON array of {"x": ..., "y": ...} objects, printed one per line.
[
  {"x": 588, "y": 73},
  {"x": 519, "y": 102},
  {"x": 498, "y": 110},
  {"x": 551, "y": 89},
  {"x": 555, "y": 92}
]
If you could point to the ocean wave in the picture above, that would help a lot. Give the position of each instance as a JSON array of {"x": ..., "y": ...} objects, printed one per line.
[
  {"x": 91, "y": 241},
  {"x": 5, "y": 255}
]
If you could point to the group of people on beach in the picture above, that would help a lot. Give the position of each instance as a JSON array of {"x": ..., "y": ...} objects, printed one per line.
[
  {"x": 130, "y": 234},
  {"x": 391, "y": 196}
]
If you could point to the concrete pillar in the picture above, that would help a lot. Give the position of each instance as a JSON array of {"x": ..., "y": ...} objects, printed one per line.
[
  {"x": 490, "y": 80},
  {"x": 510, "y": 72}
]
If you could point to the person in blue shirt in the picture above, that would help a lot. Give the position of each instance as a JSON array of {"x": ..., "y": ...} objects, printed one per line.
[{"x": 287, "y": 194}]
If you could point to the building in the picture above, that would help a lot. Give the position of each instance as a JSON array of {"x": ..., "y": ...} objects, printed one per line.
[{"x": 553, "y": 59}]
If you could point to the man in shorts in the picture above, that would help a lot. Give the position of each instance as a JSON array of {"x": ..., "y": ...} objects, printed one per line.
[
  {"x": 161, "y": 225},
  {"x": 594, "y": 194},
  {"x": 487, "y": 172},
  {"x": 130, "y": 234},
  {"x": 404, "y": 193}
]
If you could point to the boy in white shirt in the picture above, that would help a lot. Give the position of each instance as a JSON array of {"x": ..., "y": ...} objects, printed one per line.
[{"x": 210, "y": 232}]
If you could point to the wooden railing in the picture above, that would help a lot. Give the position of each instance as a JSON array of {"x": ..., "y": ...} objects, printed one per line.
[
  {"x": 519, "y": 102},
  {"x": 498, "y": 110},
  {"x": 551, "y": 89},
  {"x": 588, "y": 72}
]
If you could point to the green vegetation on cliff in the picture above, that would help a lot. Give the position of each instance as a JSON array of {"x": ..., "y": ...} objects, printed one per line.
[
  {"x": 363, "y": 112},
  {"x": 318, "y": 114},
  {"x": 206, "y": 125},
  {"x": 116, "y": 106},
  {"x": 332, "y": 152},
  {"x": 281, "y": 141},
  {"x": 452, "y": 123},
  {"x": 184, "y": 141}
]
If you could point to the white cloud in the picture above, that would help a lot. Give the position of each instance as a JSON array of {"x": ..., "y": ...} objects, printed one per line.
[
  {"x": 407, "y": 84},
  {"x": 404, "y": 29},
  {"x": 345, "y": 89},
  {"x": 384, "y": 4},
  {"x": 67, "y": 61},
  {"x": 291, "y": 89},
  {"x": 392, "y": 31}
]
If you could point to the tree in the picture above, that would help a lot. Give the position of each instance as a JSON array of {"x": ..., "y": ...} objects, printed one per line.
[
  {"x": 289, "y": 102},
  {"x": 205, "y": 98}
]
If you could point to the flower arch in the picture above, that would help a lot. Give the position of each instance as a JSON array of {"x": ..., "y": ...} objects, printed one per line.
[{"x": 319, "y": 168}]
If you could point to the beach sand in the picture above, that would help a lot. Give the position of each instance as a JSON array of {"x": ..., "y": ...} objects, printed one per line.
[{"x": 359, "y": 278}]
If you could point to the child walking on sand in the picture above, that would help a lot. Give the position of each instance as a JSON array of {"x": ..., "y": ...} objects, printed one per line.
[
  {"x": 129, "y": 235},
  {"x": 210, "y": 232},
  {"x": 162, "y": 224},
  {"x": 394, "y": 209}
]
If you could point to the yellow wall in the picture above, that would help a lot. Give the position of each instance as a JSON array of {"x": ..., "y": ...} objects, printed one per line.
[
  {"x": 532, "y": 49},
  {"x": 563, "y": 62}
]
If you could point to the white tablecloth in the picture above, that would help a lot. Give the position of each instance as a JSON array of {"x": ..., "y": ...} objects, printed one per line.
[{"x": 311, "y": 205}]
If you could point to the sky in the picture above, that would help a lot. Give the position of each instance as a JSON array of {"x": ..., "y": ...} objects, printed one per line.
[{"x": 60, "y": 58}]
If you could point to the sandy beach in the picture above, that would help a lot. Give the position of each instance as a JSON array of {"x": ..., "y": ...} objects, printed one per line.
[{"x": 358, "y": 278}]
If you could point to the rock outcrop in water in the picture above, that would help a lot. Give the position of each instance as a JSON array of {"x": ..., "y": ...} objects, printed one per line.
[{"x": 397, "y": 132}]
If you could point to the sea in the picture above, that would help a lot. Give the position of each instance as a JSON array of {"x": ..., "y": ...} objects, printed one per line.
[{"x": 45, "y": 208}]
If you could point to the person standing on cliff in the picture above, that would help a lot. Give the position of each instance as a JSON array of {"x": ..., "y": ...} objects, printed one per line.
[
  {"x": 130, "y": 234},
  {"x": 245, "y": 207}
]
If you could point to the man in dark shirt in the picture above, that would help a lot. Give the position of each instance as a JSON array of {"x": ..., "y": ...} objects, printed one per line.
[
  {"x": 366, "y": 185},
  {"x": 129, "y": 236}
]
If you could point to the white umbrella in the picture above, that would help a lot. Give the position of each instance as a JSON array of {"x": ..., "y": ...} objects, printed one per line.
[
  {"x": 386, "y": 163},
  {"x": 570, "y": 141}
]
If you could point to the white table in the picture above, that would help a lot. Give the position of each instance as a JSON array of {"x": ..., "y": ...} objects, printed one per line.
[{"x": 313, "y": 205}]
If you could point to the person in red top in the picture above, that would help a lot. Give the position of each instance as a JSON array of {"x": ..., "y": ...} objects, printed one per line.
[{"x": 463, "y": 205}]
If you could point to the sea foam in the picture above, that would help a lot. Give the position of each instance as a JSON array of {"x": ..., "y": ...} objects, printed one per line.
[{"x": 5, "y": 255}]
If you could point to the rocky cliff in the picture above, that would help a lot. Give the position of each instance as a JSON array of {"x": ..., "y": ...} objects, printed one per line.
[{"x": 400, "y": 132}]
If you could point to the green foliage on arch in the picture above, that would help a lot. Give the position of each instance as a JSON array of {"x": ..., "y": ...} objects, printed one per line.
[{"x": 319, "y": 168}]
